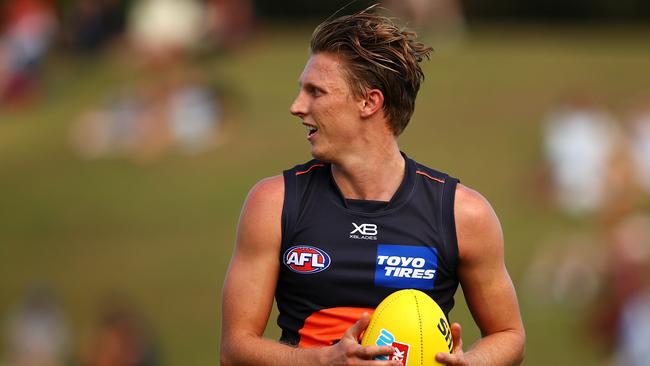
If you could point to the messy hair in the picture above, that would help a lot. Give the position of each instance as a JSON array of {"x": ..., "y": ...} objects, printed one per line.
[{"x": 378, "y": 55}]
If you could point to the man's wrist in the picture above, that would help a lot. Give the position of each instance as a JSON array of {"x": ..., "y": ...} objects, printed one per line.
[{"x": 311, "y": 356}]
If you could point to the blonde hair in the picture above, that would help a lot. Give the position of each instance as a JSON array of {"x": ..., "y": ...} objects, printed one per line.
[{"x": 378, "y": 55}]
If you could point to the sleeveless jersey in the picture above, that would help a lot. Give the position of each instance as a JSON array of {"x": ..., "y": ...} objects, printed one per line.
[{"x": 340, "y": 258}]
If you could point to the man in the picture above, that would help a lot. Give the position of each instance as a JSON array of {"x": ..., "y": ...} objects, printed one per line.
[{"x": 331, "y": 238}]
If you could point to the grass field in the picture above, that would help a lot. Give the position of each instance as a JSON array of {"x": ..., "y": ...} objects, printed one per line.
[{"x": 162, "y": 232}]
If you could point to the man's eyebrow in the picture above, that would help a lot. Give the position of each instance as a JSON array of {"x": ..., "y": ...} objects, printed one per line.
[{"x": 309, "y": 84}]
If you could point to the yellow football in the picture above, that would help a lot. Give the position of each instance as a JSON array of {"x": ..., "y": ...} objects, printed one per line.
[{"x": 411, "y": 322}]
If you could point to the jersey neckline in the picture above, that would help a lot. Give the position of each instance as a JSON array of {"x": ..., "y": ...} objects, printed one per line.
[{"x": 400, "y": 197}]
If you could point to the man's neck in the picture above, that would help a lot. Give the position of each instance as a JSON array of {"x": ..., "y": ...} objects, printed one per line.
[{"x": 372, "y": 176}]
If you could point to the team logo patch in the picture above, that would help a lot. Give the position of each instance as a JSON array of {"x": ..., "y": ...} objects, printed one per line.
[
  {"x": 406, "y": 266},
  {"x": 401, "y": 352},
  {"x": 306, "y": 259}
]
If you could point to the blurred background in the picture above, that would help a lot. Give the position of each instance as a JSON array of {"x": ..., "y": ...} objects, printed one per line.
[{"x": 131, "y": 131}]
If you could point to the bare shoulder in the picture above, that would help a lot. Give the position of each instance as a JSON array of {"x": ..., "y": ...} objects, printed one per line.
[
  {"x": 470, "y": 206},
  {"x": 259, "y": 223},
  {"x": 477, "y": 225},
  {"x": 265, "y": 198},
  {"x": 267, "y": 190}
]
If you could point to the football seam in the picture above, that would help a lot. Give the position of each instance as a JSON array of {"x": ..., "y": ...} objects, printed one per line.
[{"x": 417, "y": 306}]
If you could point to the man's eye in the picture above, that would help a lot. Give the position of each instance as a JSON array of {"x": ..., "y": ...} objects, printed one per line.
[{"x": 314, "y": 91}]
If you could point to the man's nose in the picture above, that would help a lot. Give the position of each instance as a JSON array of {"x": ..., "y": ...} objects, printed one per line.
[{"x": 298, "y": 108}]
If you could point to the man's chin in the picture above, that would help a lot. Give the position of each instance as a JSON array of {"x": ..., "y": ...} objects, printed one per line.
[{"x": 320, "y": 155}]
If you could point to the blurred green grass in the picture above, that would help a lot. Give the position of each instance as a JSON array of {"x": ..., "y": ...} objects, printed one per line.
[{"x": 162, "y": 232}]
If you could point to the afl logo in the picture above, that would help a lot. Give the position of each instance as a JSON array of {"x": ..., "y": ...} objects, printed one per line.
[{"x": 306, "y": 259}]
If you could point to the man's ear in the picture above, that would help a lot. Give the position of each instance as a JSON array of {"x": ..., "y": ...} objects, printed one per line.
[{"x": 372, "y": 102}]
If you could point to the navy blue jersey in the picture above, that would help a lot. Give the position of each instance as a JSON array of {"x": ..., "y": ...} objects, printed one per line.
[{"x": 340, "y": 258}]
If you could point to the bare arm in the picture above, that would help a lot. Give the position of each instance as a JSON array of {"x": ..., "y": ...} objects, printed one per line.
[
  {"x": 249, "y": 289},
  {"x": 487, "y": 286}
]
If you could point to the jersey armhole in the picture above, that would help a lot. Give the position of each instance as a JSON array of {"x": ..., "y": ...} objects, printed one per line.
[
  {"x": 289, "y": 205},
  {"x": 448, "y": 219}
]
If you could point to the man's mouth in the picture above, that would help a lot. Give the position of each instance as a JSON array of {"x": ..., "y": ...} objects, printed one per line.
[{"x": 310, "y": 129}]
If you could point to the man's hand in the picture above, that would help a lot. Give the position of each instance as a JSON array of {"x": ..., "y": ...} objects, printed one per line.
[
  {"x": 348, "y": 351},
  {"x": 457, "y": 356}
]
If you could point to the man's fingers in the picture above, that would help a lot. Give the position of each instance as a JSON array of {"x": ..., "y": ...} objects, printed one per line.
[
  {"x": 361, "y": 355},
  {"x": 382, "y": 363},
  {"x": 448, "y": 359},
  {"x": 456, "y": 336},
  {"x": 371, "y": 352},
  {"x": 365, "y": 355},
  {"x": 357, "y": 329},
  {"x": 455, "y": 358}
]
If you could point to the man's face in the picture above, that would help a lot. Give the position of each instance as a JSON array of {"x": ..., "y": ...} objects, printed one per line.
[{"x": 327, "y": 107}]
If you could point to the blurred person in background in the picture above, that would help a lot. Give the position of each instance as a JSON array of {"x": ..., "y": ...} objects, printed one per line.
[
  {"x": 592, "y": 177},
  {"x": 29, "y": 29},
  {"x": 146, "y": 120},
  {"x": 195, "y": 115},
  {"x": 640, "y": 145},
  {"x": 566, "y": 270},
  {"x": 622, "y": 311},
  {"x": 596, "y": 172},
  {"x": 229, "y": 22},
  {"x": 122, "y": 337},
  {"x": 580, "y": 141},
  {"x": 37, "y": 332},
  {"x": 171, "y": 106},
  {"x": 164, "y": 31}
]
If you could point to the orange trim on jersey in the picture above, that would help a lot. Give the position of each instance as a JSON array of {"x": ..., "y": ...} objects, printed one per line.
[
  {"x": 325, "y": 327},
  {"x": 430, "y": 177},
  {"x": 309, "y": 169}
]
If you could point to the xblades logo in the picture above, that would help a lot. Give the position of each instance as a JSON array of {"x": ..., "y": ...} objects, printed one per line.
[{"x": 364, "y": 231}]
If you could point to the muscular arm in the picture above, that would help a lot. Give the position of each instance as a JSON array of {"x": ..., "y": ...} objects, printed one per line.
[
  {"x": 251, "y": 279},
  {"x": 249, "y": 289},
  {"x": 486, "y": 284}
]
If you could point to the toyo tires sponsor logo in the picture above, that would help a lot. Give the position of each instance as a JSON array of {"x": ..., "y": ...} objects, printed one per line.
[
  {"x": 406, "y": 266},
  {"x": 306, "y": 259}
]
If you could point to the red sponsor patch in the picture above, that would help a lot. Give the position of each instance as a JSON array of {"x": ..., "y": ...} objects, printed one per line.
[{"x": 401, "y": 353}]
